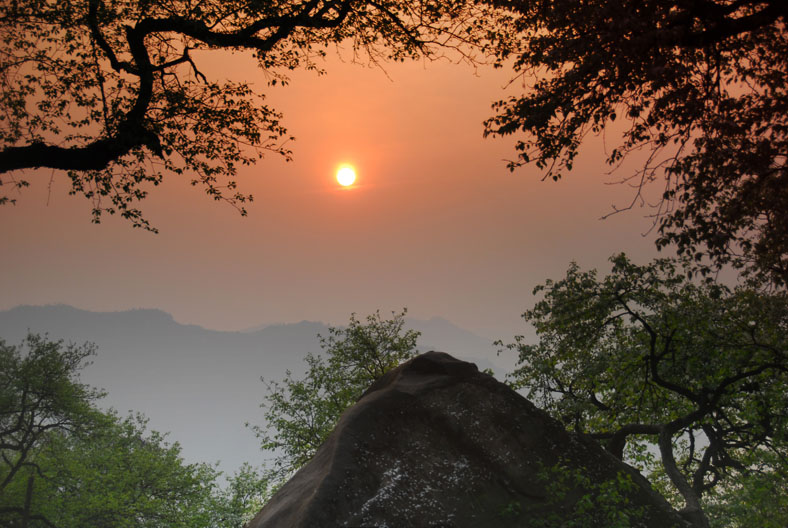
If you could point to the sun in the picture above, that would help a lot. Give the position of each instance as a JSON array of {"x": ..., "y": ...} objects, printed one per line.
[{"x": 346, "y": 175}]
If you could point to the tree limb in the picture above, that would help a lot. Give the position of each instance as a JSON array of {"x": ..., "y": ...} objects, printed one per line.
[
  {"x": 616, "y": 441},
  {"x": 132, "y": 133}
]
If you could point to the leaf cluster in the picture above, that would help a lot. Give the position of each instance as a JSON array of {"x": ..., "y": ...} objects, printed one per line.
[
  {"x": 65, "y": 463},
  {"x": 112, "y": 91},
  {"x": 700, "y": 88},
  {"x": 39, "y": 397},
  {"x": 122, "y": 475},
  {"x": 646, "y": 360},
  {"x": 584, "y": 503},
  {"x": 301, "y": 412}
]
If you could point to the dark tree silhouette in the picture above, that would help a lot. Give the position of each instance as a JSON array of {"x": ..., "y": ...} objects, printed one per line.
[
  {"x": 703, "y": 87},
  {"x": 112, "y": 92}
]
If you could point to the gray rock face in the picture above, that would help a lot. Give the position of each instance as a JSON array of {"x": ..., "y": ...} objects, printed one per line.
[{"x": 436, "y": 443}]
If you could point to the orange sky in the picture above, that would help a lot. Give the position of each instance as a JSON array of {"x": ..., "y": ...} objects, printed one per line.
[{"x": 435, "y": 222}]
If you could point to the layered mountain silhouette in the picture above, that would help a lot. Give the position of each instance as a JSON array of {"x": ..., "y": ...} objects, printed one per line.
[
  {"x": 436, "y": 443},
  {"x": 200, "y": 385}
]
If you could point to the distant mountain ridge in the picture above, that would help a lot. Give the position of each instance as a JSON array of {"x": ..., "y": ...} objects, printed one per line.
[{"x": 202, "y": 385}]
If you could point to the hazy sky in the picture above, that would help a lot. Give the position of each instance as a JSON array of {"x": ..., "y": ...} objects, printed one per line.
[{"x": 435, "y": 223}]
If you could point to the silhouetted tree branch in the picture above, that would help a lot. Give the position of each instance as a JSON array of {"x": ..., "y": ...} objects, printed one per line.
[
  {"x": 701, "y": 88},
  {"x": 112, "y": 92}
]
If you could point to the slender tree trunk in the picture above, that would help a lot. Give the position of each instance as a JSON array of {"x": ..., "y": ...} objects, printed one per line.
[
  {"x": 692, "y": 511},
  {"x": 28, "y": 500}
]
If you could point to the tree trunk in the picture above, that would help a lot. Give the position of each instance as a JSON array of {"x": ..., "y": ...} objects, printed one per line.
[
  {"x": 28, "y": 500},
  {"x": 692, "y": 511}
]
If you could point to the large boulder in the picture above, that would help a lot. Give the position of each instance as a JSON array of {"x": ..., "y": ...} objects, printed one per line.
[{"x": 436, "y": 443}]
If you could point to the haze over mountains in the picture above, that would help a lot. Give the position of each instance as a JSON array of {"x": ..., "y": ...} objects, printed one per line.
[{"x": 202, "y": 385}]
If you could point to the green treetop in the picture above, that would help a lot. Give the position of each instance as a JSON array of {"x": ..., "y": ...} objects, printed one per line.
[
  {"x": 648, "y": 361},
  {"x": 66, "y": 464},
  {"x": 300, "y": 413}
]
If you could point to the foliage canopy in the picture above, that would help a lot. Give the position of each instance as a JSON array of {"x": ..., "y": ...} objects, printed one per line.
[
  {"x": 702, "y": 88},
  {"x": 111, "y": 91},
  {"x": 66, "y": 464},
  {"x": 300, "y": 413},
  {"x": 647, "y": 361},
  {"x": 40, "y": 397}
]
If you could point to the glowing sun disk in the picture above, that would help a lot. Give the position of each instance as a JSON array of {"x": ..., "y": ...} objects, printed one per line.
[{"x": 346, "y": 175}]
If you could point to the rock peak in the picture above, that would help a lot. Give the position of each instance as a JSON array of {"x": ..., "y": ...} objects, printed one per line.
[
  {"x": 431, "y": 368},
  {"x": 434, "y": 442}
]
